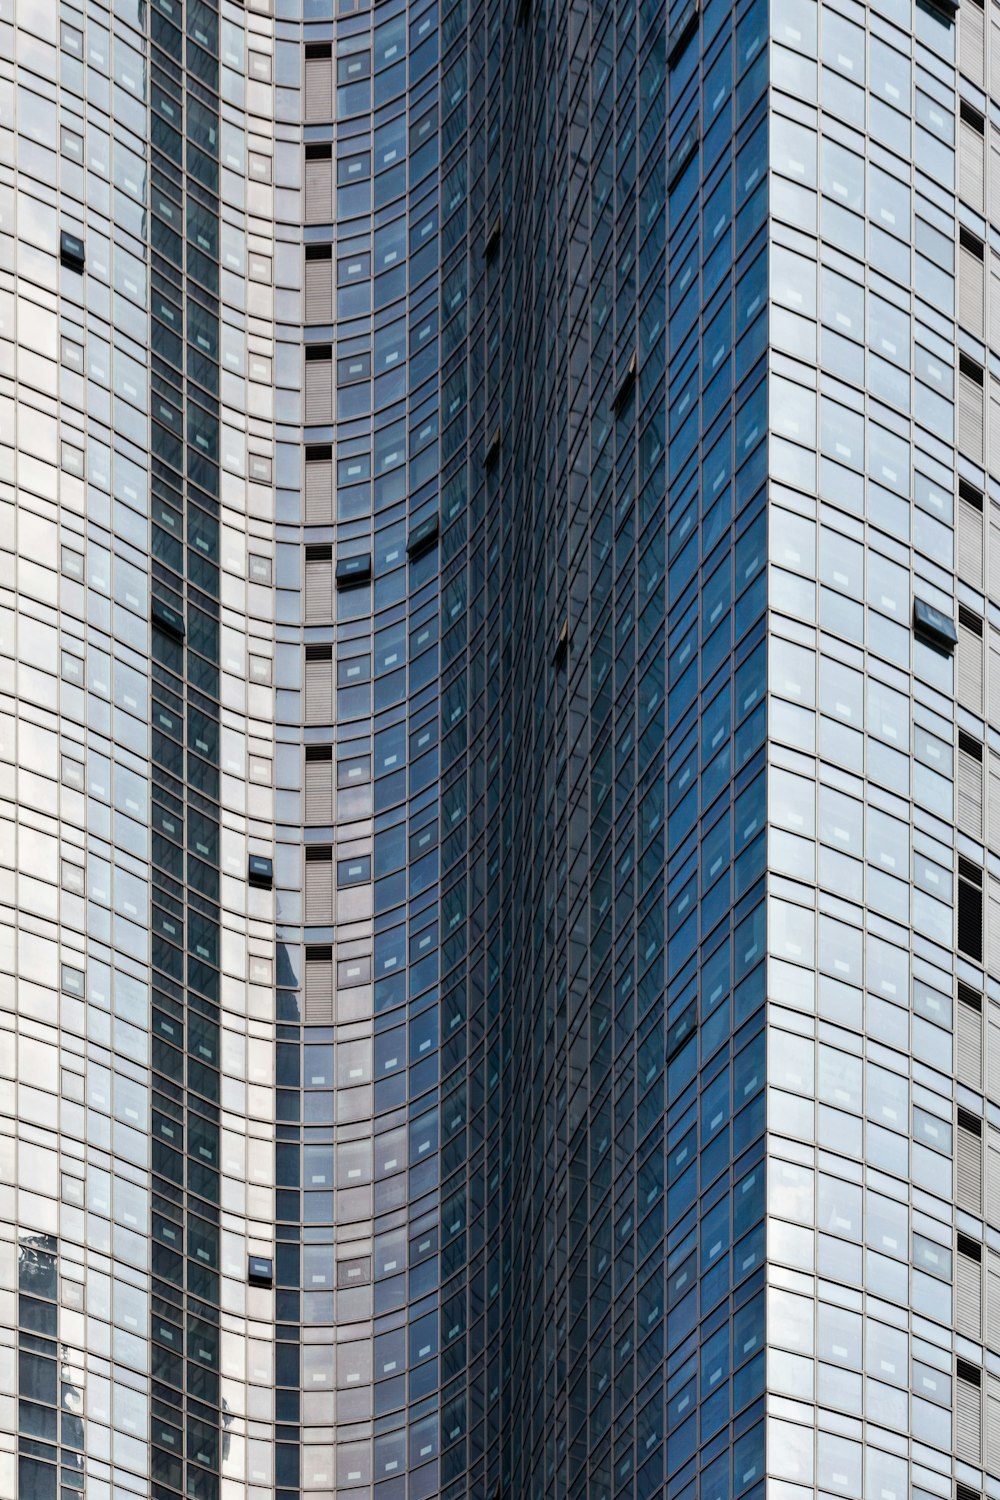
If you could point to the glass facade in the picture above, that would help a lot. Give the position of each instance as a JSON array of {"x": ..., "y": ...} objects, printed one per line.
[
  {"x": 499, "y": 750},
  {"x": 875, "y": 1374}
]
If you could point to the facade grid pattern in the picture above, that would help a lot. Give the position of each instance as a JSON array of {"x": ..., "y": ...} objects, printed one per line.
[{"x": 499, "y": 749}]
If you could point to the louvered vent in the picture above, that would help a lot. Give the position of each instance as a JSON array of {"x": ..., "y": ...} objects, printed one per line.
[
  {"x": 968, "y": 1412},
  {"x": 993, "y": 675},
  {"x": 993, "y": 925},
  {"x": 319, "y": 585},
  {"x": 319, "y": 785},
  {"x": 992, "y": 1081},
  {"x": 970, "y": 283},
  {"x": 970, "y": 660},
  {"x": 319, "y": 684},
  {"x": 970, "y": 785},
  {"x": 319, "y": 83},
  {"x": 969, "y": 1162},
  {"x": 992, "y": 1298},
  {"x": 319, "y": 485},
  {"x": 971, "y": 157},
  {"x": 992, "y": 1424},
  {"x": 319, "y": 987},
  {"x": 319, "y": 285},
  {"x": 969, "y": 1287},
  {"x": 991, "y": 391},
  {"x": 970, "y": 910},
  {"x": 970, "y": 408},
  {"x": 319, "y": 184},
  {"x": 993, "y": 298},
  {"x": 970, "y": 534},
  {"x": 319, "y": 887},
  {"x": 969, "y": 1037},
  {"x": 992, "y": 1209},
  {"x": 319, "y": 386},
  {"x": 972, "y": 42},
  {"x": 993, "y": 800}
]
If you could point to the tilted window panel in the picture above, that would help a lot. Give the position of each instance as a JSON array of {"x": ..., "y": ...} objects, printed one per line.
[{"x": 353, "y": 570}]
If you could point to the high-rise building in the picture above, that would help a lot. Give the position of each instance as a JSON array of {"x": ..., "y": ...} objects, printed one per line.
[{"x": 499, "y": 750}]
